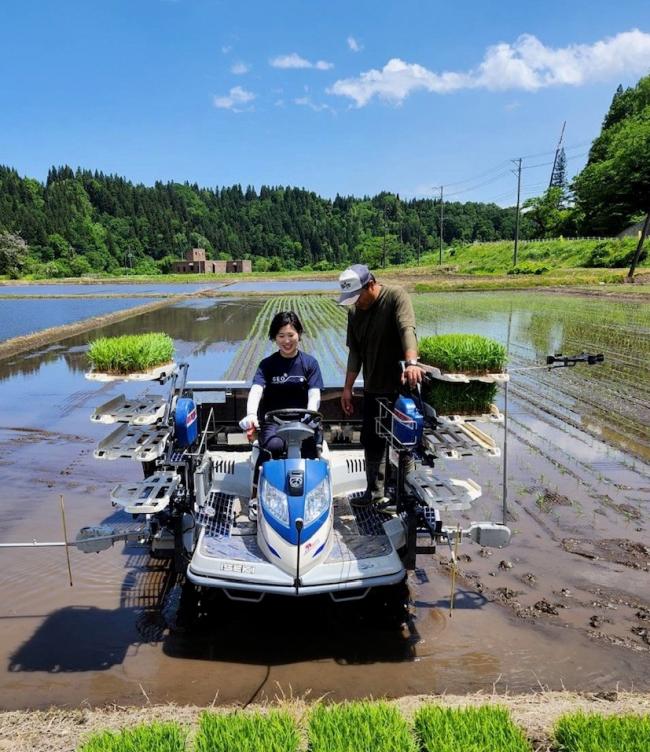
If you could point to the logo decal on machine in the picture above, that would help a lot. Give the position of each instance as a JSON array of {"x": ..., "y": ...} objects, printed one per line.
[
  {"x": 191, "y": 417},
  {"x": 228, "y": 566}
]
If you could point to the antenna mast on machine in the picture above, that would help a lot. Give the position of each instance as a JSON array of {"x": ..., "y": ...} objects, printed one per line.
[{"x": 557, "y": 154}]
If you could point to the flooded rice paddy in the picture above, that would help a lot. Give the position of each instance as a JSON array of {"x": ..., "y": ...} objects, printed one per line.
[
  {"x": 19, "y": 317},
  {"x": 109, "y": 288},
  {"x": 566, "y": 605}
]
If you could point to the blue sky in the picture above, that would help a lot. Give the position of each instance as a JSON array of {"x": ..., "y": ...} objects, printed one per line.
[{"x": 348, "y": 97}]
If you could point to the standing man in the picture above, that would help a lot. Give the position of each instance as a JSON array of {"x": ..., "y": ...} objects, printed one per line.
[{"x": 381, "y": 332}]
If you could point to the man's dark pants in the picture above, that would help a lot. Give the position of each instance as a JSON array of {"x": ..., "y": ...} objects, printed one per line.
[{"x": 374, "y": 446}]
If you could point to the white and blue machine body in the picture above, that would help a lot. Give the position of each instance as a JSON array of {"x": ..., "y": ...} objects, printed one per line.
[{"x": 295, "y": 513}]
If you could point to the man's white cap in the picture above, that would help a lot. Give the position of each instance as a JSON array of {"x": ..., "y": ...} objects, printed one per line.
[{"x": 351, "y": 281}]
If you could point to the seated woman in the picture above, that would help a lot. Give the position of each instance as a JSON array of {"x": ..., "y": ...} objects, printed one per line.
[{"x": 287, "y": 379}]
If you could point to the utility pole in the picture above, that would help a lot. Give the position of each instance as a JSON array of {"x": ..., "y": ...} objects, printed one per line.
[
  {"x": 518, "y": 163},
  {"x": 637, "y": 253},
  {"x": 442, "y": 219}
]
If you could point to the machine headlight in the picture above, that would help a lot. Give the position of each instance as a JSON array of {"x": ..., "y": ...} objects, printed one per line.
[
  {"x": 317, "y": 501},
  {"x": 276, "y": 502}
]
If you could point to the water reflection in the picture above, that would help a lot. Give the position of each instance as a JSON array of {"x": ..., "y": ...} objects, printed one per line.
[{"x": 205, "y": 336}]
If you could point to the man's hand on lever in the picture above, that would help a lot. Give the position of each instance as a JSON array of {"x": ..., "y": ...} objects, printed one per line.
[{"x": 412, "y": 373}]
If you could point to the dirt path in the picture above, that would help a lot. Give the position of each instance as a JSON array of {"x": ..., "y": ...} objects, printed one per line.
[{"x": 62, "y": 730}]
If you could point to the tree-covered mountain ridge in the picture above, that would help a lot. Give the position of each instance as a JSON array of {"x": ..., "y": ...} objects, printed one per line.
[{"x": 82, "y": 221}]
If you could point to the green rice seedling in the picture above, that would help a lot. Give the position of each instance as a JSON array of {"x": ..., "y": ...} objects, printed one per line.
[
  {"x": 589, "y": 732},
  {"x": 359, "y": 727},
  {"x": 446, "y": 398},
  {"x": 463, "y": 353},
  {"x": 274, "y": 731},
  {"x": 131, "y": 352},
  {"x": 154, "y": 737},
  {"x": 484, "y": 729}
]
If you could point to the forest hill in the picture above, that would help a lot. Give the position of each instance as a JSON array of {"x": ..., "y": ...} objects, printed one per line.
[{"x": 82, "y": 221}]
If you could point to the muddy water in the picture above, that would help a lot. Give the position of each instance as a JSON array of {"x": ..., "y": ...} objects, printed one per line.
[{"x": 565, "y": 605}]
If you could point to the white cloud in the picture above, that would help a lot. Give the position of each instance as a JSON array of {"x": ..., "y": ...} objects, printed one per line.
[
  {"x": 307, "y": 102},
  {"x": 526, "y": 64},
  {"x": 294, "y": 60},
  {"x": 395, "y": 82},
  {"x": 354, "y": 45},
  {"x": 235, "y": 99},
  {"x": 226, "y": 49},
  {"x": 239, "y": 68}
]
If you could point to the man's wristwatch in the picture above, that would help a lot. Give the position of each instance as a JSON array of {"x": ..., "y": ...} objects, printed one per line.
[{"x": 411, "y": 362}]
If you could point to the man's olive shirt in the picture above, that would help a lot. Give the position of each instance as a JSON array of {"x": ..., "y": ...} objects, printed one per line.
[{"x": 379, "y": 337}]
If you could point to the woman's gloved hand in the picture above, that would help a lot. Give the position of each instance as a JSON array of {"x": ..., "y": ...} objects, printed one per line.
[{"x": 249, "y": 423}]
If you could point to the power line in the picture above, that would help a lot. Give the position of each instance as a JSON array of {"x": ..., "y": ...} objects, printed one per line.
[
  {"x": 552, "y": 151},
  {"x": 504, "y": 162},
  {"x": 499, "y": 166},
  {"x": 500, "y": 176},
  {"x": 545, "y": 164}
]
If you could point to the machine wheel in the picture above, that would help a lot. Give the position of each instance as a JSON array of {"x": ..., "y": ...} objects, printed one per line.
[{"x": 388, "y": 606}]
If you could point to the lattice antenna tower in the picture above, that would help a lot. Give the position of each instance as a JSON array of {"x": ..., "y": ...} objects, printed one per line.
[{"x": 557, "y": 154}]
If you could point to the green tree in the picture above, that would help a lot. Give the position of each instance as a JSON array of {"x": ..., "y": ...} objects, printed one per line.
[
  {"x": 614, "y": 187},
  {"x": 13, "y": 254}
]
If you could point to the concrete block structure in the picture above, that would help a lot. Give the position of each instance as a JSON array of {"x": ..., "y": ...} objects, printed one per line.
[{"x": 196, "y": 263}]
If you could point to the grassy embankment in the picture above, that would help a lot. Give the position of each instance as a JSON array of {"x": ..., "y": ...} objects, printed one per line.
[
  {"x": 548, "y": 263},
  {"x": 377, "y": 727}
]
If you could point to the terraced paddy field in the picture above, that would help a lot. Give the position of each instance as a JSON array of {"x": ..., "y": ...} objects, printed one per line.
[{"x": 567, "y": 605}]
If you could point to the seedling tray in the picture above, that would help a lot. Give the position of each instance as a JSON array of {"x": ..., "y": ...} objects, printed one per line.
[
  {"x": 142, "y": 411},
  {"x": 159, "y": 373},
  {"x": 464, "y": 378},
  {"x": 147, "y": 496},
  {"x": 493, "y": 416},
  {"x": 134, "y": 442}
]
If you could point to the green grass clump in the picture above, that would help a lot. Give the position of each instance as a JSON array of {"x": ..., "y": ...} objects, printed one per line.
[
  {"x": 130, "y": 352},
  {"x": 588, "y": 732},
  {"x": 463, "y": 353},
  {"x": 154, "y": 737},
  {"x": 359, "y": 727},
  {"x": 274, "y": 731},
  {"x": 485, "y": 729}
]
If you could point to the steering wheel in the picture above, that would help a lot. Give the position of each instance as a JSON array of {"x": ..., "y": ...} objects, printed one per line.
[{"x": 293, "y": 415}]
